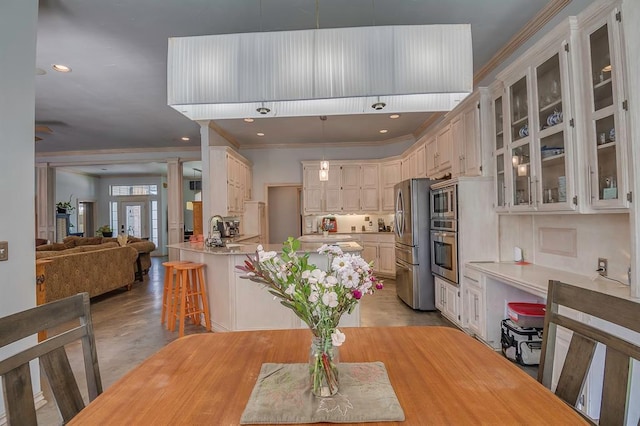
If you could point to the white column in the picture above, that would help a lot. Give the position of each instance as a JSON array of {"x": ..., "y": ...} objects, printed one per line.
[
  {"x": 45, "y": 186},
  {"x": 175, "y": 206}
]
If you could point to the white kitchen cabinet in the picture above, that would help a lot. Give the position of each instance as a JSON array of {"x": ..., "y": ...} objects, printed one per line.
[
  {"x": 466, "y": 134},
  {"x": 606, "y": 109},
  {"x": 228, "y": 174},
  {"x": 499, "y": 156},
  {"x": 390, "y": 174},
  {"x": 312, "y": 189},
  {"x": 474, "y": 302},
  {"x": 350, "y": 188},
  {"x": 447, "y": 298},
  {"x": 421, "y": 161},
  {"x": 439, "y": 152},
  {"x": 370, "y": 187},
  {"x": 409, "y": 166},
  {"x": 539, "y": 128},
  {"x": 380, "y": 249}
]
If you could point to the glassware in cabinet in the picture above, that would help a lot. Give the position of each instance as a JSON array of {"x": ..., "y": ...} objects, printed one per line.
[
  {"x": 500, "y": 182},
  {"x": 499, "y": 131},
  {"x": 521, "y": 175},
  {"x": 519, "y": 115},
  {"x": 605, "y": 125},
  {"x": 552, "y": 135}
]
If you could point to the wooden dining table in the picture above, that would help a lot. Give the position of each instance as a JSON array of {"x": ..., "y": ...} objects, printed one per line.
[{"x": 440, "y": 376}]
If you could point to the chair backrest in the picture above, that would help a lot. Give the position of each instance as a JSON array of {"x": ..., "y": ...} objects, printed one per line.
[
  {"x": 619, "y": 352},
  {"x": 14, "y": 369}
]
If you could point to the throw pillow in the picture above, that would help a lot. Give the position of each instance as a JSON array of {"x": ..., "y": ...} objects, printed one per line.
[{"x": 122, "y": 240}]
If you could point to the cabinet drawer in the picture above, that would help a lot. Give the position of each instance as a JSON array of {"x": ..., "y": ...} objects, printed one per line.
[{"x": 472, "y": 274}]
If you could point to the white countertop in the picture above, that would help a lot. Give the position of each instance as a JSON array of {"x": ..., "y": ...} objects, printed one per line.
[
  {"x": 535, "y": 279},
  {"x": 250, "y": 248}
]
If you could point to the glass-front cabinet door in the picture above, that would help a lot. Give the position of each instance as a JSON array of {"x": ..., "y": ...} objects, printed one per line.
[
  {"x": 522, "y": 178},
  {"x": 606, "y": 104},
  {"x": 499, "y": 149},
  {"x": 553, "y": 134}
]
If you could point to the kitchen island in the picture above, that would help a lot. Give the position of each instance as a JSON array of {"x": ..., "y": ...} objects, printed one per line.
[{"x": 238, "y": 304}]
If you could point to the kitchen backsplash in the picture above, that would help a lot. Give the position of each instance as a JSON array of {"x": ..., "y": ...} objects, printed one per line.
[
  {"x": 349, "y": 222},
  {"x": 569, "y": 242}
]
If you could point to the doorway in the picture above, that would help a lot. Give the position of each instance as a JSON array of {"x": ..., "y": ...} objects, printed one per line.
[
  {"x": 135, "y": 219},
  {"x": 284, "y": 216},
  {"x": 86, "y": 218}
]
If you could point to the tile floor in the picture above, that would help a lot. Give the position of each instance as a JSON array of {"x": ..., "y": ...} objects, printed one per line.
[{"x": 128, "y": 330}]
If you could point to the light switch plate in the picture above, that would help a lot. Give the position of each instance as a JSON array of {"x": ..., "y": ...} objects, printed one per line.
[{"x": 4, "y": 250}]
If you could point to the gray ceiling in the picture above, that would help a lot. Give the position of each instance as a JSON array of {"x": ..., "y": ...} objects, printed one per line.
[{"x": 115, "y": 97}]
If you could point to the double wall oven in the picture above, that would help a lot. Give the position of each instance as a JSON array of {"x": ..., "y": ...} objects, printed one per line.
[{"x": 444, "y": 232}]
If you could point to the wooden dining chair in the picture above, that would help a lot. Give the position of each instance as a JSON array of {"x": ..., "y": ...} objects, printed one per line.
[
  {"x": 619, "y": 352},
  {"x": 72, "y": 321}
]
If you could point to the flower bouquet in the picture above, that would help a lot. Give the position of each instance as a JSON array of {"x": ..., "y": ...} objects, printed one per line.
[{"x": 318, "y": 297}]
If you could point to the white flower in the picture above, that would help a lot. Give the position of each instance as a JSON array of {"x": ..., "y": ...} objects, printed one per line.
[
  {"x": 330, "y": 281},
  {"x": 340, "y": 263},
  {"x": 317, "y": 275},
  {"x": 305, "y": 274},
  {"x": 290, "y": 290},
  {"x": 314, "y": 296},
  {"x": 350, "y": 279},
  {"x": 338, "y": 338},
  {"x": 260, "y": 248},
  {"x": 330, "y": 299},
  {"x": 266, "y": 255}
]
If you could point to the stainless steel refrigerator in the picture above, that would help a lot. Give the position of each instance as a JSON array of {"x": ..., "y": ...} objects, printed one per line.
[{"x": 414, "y": 281}]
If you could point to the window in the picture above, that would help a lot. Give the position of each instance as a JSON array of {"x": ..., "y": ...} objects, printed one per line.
[
  {"x": 113, "y": 217},
  {"x": 118, "y": 190},
  {"x": 154, "y": 222}
]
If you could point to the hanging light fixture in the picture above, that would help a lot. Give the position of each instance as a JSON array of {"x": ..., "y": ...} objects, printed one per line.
[
  {"x": 324, "y": 164},
  {"x": 332, "y": 71}
]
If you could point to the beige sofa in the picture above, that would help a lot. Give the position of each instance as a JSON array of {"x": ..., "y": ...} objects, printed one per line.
[
  {"x": 95, "y": 269},
  {"x": 143, "y": 247}
]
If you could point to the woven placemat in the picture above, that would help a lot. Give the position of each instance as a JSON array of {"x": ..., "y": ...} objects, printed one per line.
[{"x": 282, "y": 394}]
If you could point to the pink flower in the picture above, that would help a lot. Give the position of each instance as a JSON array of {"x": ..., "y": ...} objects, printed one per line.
[
  {"x": 379, "y": 285},
  {"x": 357, "y": 294}
]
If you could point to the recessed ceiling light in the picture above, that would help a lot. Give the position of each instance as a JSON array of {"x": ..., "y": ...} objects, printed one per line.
[
  {"x": 260, "y": 134},
  {"x": 383, "y": 131},
  {"x": 61, "y": 68},
  {"x": 249, "y": 120},
  {"x": 184, "y": 138},
  {"x": 394, "y": 116}
]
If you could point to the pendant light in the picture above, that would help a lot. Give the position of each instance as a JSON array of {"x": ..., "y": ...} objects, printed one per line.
[{"x": 324, "y": 164}]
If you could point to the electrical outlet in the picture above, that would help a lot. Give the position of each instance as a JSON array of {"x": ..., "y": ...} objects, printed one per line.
[
  {"x": 602, "y": 266},
  {"x": 4, "y": 250}
]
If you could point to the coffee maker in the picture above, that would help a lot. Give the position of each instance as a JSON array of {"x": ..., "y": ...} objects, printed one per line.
[{"x": 381, "y": 226}]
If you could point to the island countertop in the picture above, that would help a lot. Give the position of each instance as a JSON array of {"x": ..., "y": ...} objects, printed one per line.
[
  {"x": 237, "y": 303},
  {"x": 250, "y": 248}
]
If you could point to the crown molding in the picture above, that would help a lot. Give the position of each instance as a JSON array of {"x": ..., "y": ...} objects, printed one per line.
[{"x": 534, "y": 25}]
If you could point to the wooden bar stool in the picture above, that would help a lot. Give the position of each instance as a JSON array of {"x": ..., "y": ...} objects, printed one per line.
[
  {"x": 167, "y": 293},
  {"x": 191, "y": 295}
]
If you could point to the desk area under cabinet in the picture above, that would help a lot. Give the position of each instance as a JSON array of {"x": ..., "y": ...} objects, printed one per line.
[{"x": 487, "y": 287}]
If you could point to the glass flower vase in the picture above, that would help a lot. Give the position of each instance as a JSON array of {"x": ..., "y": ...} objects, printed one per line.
[{"x": 323, "y": 367}]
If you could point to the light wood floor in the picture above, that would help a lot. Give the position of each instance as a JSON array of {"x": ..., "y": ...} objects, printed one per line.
[{"x": 128, "y": 330}]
